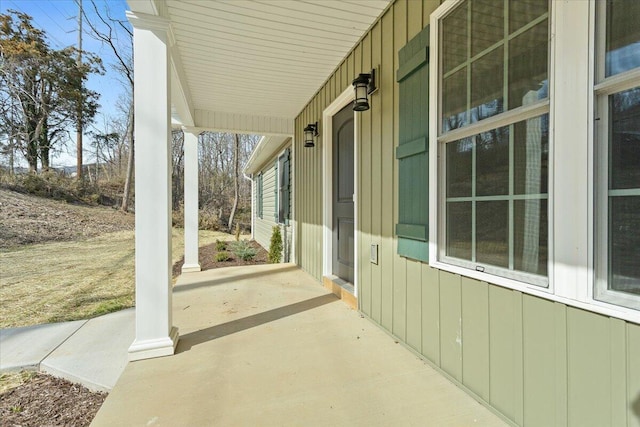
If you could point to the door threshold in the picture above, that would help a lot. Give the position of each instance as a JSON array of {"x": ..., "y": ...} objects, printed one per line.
[{"x": 342, "y": 289}]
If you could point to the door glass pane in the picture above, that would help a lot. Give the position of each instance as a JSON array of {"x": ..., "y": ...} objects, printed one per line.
[
  {"x": 454, "y": 101},
  {"x": 528, "y": 74},
  {"x": 492, "y": 233},
  {"x": 624, "y": 139},
  {"x": 459, "y": 230},
  {"x": 531, "y": 155},
  {"x": 459, "y": 158},
  {"x": 487, "y": 24},
  {"x": 622, "y": 51},
  {"x": 524, "y": 11},
  {"x": 492, "y": 162},
  {"x": 624, "y": 244},
  {"x": 530, "y": 236},
  {"x": 454, "y": 38},
  {"x": 487, "y": 88}
]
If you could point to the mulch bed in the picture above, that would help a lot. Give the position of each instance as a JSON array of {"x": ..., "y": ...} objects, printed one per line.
[
  {"x": 44, "y": 400},
  {"x": 207, "y": 258}
]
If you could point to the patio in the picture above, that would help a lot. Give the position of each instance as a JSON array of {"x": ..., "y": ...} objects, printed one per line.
[{"x": 268, "y": 345}]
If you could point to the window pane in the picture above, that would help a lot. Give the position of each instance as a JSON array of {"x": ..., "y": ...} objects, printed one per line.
[
  {"x": 492, "y": 162},
  {"x": 624, "y": 244},
  {"x": 524, "y": 11},
  {"x": 528, "y": 66},
  {"x": 623, "y": 36},
  {"x": 531, "y": 155},
  {"x": 624, "y": 139},
  {"x": 492, "y": 233},
  {"x": 454, "y": 101},
  {"x": 530, "y": 236},
  {"x": 454, "y": 38},
  {"x": 459, "y": 230},
  {"x": 487, "y": 97},
  {"x": 487, "y": 24},
  {"x": 459, "y": 158}
]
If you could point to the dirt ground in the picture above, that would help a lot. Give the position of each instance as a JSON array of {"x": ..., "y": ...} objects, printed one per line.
[{"x": 27, "y": 219}]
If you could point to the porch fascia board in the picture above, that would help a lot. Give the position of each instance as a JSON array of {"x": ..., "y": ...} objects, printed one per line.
[
  {"x": 243, "y": 123},
  {"x": 267, "y": 148},
  {"x": 180, "y": 94}
]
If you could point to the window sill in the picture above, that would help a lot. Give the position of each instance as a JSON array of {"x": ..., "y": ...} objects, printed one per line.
[{"x": 594, "y": 306}]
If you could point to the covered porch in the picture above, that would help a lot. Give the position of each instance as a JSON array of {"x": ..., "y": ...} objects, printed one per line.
[
  {"x": 241, "y": 67},
  {"x": 268, "y": 345}
]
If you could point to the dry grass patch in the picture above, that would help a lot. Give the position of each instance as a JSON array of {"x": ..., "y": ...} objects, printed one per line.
[
  {"x": 11, "y": 380},
  {"x": 73, "y": 280}
]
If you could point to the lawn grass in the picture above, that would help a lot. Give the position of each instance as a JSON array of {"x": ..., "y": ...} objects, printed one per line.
[{"x": 80, "y": 279}]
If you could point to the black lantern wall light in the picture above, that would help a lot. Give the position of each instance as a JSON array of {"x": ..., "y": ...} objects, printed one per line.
[
  {"x": 310, "y": 132},
  {"x": 364, "y": 85}
]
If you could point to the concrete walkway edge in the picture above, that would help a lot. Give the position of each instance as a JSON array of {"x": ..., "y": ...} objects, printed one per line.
[{"x": 90, "y": 352}]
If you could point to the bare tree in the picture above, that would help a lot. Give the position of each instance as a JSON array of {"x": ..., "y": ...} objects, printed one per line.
[
  {"x": 177, "y": 181},
  {"x": 107, "y": 32}
]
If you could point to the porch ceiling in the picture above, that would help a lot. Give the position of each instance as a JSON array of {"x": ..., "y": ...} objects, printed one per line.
[{"x": 260, "y": 60}]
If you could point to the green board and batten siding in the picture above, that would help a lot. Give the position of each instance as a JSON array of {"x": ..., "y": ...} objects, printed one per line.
[
  {"x": 263, "y": 226},
  {"x": 535, "y": 361}
]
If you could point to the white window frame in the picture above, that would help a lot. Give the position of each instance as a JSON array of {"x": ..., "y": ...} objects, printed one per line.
[
  {"x": 603, "y": 88},
  {"x": 571, "y": 221},
  {"x": 437, "y": 151}
]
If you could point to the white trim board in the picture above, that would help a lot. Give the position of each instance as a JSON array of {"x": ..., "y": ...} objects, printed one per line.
[{"x": 327, "y": 181}]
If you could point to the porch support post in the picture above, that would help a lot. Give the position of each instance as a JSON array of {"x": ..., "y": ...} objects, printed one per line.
[
  {"x": 191, "y": 263},
  {"x": 155, "y": 335}
]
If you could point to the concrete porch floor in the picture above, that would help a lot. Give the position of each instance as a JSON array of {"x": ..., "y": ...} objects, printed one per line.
[{"x": 269, "y": 346}]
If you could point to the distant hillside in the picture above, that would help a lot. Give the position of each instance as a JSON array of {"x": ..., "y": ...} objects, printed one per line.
[{"x": 26, "y": 219}]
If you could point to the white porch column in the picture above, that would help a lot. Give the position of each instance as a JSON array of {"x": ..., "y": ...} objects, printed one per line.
[
  {"x": 155, "y": 334},
  {"x": 191, "y": 263}
]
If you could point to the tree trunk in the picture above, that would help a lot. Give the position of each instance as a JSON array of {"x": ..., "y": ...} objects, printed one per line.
[
  {"x": 127, "y": 182},
  {"x": 32, "y": 145},
  {"x": 44, "y": 147},
  {"x": 236, "y": 179}
]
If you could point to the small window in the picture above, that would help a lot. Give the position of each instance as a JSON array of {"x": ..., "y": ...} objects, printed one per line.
[
  {"x": 493, "y": 178},
  {"x": 617, "y": 150}
]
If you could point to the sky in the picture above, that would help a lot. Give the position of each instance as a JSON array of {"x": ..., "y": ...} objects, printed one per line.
[{"x": 58, "y": 19}]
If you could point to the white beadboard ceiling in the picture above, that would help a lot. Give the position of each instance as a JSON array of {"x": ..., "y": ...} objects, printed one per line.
[{"x": 256, "y": 58}]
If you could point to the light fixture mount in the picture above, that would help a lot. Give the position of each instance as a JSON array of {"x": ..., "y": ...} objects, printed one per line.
[
  {"x": 310, "y": 132},
  {"x": 364, "y": 85}
]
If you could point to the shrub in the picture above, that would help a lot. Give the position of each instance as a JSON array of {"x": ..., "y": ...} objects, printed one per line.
[
  {"x": 275, "y": 248},
  {"x": 220, "y": 245},
  {"x": 243, "y": 250},
  {"x": 208, "y": 220},
  {"x": 223, "y": 256},
  {"x": 177, "y": 216}
]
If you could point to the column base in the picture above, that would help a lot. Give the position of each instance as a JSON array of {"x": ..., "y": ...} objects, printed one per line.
[
  {"x": 148, "y": 349},
  {"x": 190, "y": 268}
]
